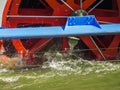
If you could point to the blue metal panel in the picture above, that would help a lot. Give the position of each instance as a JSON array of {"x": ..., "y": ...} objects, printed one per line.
[
  {"x": 58, "y": 31},
  {"x": 86, "y": 25}
]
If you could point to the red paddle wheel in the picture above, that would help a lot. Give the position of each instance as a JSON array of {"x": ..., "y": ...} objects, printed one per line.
[{"x": 40, "y": 13}]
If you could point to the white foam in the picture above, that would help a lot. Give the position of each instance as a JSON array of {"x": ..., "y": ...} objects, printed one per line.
[
  {"x": 80, "y": 66},
  {"x": 3, "y": 70},
  {"x": 10, "y": 79}
]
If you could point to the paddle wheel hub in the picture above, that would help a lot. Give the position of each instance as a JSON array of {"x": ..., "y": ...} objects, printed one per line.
[{"x": 79, "y": 13}]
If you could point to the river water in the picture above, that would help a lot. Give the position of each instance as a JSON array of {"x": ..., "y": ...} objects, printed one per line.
[{"x": 61, "y": 74}]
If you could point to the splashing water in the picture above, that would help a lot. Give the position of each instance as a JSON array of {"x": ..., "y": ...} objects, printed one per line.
[
  {"x": 56, "y": 72},
  {"x": 80, "y": 66}
]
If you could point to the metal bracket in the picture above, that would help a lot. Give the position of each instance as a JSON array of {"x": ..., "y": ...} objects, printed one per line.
[{"x": 81, "y": 20}]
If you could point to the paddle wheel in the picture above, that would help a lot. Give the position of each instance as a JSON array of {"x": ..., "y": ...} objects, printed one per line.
[{"x": 48, "y": 13}]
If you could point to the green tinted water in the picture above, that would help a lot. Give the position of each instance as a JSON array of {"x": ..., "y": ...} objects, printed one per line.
[{"x": 63, "y": 75}]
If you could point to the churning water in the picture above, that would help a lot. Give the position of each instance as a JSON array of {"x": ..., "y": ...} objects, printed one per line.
[{"x": 63, "y": 74}]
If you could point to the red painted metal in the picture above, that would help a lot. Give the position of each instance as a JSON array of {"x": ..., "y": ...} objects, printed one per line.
[
  {"x": 59, "y": 9},
  {"x": 109, "y": 15}
]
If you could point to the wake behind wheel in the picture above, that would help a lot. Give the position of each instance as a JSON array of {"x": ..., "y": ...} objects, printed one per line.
[{"x": 41, "y": 13}]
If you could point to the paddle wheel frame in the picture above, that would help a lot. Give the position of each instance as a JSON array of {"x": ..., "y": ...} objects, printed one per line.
[{"x": 46, "y": 13}]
